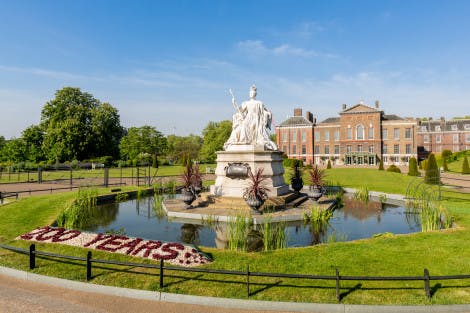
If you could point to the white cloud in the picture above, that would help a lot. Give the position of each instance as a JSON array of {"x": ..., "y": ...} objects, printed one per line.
[{"x": 257, "y": 47}]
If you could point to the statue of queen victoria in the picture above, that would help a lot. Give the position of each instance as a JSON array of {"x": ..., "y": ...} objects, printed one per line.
[{"x": 251, "y": 124}]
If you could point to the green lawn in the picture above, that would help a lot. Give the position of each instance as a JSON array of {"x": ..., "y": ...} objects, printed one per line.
[
  {"x": 443, "y": 253},
  {"x": 165, "y": 170}
]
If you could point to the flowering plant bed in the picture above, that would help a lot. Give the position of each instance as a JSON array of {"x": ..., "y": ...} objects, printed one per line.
[{"x": 172, "y": 252}]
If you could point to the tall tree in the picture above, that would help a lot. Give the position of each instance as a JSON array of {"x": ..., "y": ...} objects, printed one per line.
[
  {"x": 74, "y": 124},
  {"x": 13, "y": 151},
  {"x": 33, "y": 138},
  {"x": 178, "y": 146},
  {"x": 2, "y": 141},
  {"x": 139, "y": 140},
  {"x": 432, "y": 174},
  {"x": 107, "y": 130},
  {"x": 215, "y": 134}
]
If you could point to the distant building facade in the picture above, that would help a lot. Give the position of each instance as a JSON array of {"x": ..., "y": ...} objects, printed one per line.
[{"x": 363, "y": 135}]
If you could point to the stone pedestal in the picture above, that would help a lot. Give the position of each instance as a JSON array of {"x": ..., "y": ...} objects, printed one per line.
[{"x": 256, "y": 157}]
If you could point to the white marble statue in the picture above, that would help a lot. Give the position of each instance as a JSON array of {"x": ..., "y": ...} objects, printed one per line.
[{"x": 251, "y": 124}]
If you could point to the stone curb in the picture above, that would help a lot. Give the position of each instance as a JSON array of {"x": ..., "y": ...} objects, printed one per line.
[{"x": 228, "y": 303}]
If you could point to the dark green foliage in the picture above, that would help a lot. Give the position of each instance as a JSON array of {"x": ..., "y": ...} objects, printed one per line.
[
  {"x": 393, "y": 168},
  {"x": 142, "y": 143},
  {"x": 431, "y": 175},
  {"x": 446, "y": 154},
  {"x": 180, "y": 145},
  {"x": 465, "y": 167},
  {"x": 292, "y": 163},
  {"x": 444, "y": 164},
  {"x": 328, "y": 166},
  {"x": 78, "y": 126},
  {"x": 214, "y": 136},
  {"x": 381, "y": 165},
  {"x": 413, "y": 167}
]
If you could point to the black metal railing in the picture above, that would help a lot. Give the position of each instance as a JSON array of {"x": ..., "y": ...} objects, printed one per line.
[{"x": 426, "y": 277}]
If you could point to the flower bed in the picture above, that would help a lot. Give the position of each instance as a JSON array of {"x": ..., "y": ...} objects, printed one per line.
[{"x": 172, "y": 252}]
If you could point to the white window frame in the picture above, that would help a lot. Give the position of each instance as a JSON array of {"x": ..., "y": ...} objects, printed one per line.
[{"x": 360, "y": 132}]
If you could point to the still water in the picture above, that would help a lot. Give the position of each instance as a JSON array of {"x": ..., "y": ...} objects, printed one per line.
[{"x": 355, "y": 220}]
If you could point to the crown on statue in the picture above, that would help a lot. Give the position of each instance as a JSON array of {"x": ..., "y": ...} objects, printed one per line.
[{"x": 253, "y": 87}]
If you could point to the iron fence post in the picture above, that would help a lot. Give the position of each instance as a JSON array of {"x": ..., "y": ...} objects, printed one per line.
[
  {"x": 32, "y": 256},
  {"x": 248, "y": 280},
  {"x": 88, "y": 265},
  {"x": 338, "y": 296},
  {"x": 161, "y": 273},
  {"x": 427, "y": 287}
]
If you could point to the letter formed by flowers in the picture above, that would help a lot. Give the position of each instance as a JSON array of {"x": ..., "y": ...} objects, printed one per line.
[
  {"x": 250, "y": 124},
  {"x": 172, "y": 252}
]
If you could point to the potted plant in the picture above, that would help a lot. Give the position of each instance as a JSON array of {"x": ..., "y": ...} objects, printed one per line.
[
  {"x": 296, "y": 179},
  {"x": 188, "y": 194},
  {"x": 196, "y": 180},
  {"x": 256, "y": 193},
  {"x": 316, "y": 178}
]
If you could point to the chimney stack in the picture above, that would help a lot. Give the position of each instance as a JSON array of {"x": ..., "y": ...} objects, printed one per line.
[
  {"x": 298, "y": 112},
  {"x": 344, "y": 106},
  {"x": 376, "y": 104},
  {"x": 309, "y": 116}
]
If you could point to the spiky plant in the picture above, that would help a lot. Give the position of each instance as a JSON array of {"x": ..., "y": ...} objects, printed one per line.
[
  {"x": 317, "y": 176},
  {"x": 256, "y": 187}
]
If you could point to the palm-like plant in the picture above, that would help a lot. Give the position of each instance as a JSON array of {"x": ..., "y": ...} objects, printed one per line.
[
  {"x": 256, "y": 188},
  {"x": 317, "y": 176},
  {"x": 196, "y": 179}
]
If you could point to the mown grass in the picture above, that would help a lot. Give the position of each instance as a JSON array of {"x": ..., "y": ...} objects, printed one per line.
[
  {"x": 164, "y": 170},
  {"x": 442, "y": 252}
]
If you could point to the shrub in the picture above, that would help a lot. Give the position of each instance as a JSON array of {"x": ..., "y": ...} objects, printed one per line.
[
  {"x": 446, "y": 154},
  {"x": 292, "y": 163},
  {"x": 328, "y": 165},
  {"x": 465, "y": 167},
  {"x": 413, "y": 167},
  {"x": 444, "y": 165},
  {"x": 381, "y": 165},
  {"x": 431, "y": 175},
  {"x": 393, "y": 168}
]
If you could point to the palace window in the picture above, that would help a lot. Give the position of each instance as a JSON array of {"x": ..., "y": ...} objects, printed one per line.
[
  {"x": 304, "y": 136},
  {"x": 359, "y": 132},
  {"x": 437, "y": 128},
  {"x": 384, "y": 149},
  {"x": 317, "y": 136},
  {"x": 317, "y": 149},
  {"x": 455, "y": 138},
  {"x": 348, "y": 148},
  {"x": 359, "y": 148},
  {"x": 337, "y": 148},
  {"x": 467, "y": 137},
  {"x": 438, "y": 138},
  {"x": 396, "y": 133},
  {"x": 407, "y": 133},
  {"x": 384, "y": 133},
  {"x": 453, "y": 127},
  {"x": 408, "y": 148},
  {"x": 426, "y": 138},
  {"x": 396, "y": 149},
  {"x": 371, "y": 132},
  {"x": 336, "y": 134},
  {"x": 327, "y": 149},
  {"x": 327, "y": 135},
  {"x": 304, "y": 149},
  {"x": 349, "y": 133},
  {"x": 284, "y": 136},
  {"x": 466, "y": 126},
  {"x": 371, "y": 149},
  {"x": 294, "y": 135},
  {"x": 424, "y": 128},
  {"x": 294, "y": 149}
]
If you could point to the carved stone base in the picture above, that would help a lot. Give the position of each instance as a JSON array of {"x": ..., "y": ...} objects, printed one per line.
[{"x": 256, "y": 157}]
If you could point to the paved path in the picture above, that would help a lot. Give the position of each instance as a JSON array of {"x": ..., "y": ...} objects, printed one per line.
[{"x": 18, "y": 295}]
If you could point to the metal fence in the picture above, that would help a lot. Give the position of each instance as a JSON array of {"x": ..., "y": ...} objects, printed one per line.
[{"x": 426, "y": 278}]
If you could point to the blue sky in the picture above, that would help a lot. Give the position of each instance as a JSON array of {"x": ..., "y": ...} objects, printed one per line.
[{"x": 170, "y": 64}]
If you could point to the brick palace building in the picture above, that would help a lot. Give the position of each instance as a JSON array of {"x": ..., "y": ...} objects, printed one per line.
[{"x": 362, "y": 135}]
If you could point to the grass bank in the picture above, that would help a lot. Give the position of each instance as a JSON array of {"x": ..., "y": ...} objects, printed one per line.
[{"x": 442, "y": 252}]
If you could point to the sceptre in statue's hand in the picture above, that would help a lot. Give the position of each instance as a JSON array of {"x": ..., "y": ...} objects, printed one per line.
[{"x": 234, "y": 102}]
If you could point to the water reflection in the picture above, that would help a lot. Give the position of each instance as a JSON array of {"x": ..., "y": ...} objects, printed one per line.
[{"x": 146, "y": 218}]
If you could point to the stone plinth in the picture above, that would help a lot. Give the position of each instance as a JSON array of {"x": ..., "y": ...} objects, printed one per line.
[{"x": 256, "y": 157}]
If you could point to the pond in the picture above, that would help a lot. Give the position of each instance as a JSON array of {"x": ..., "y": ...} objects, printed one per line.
[{"x": 354, "y": 220}]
